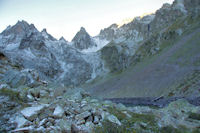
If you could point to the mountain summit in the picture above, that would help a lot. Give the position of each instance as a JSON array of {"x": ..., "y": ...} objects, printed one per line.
[
  {"x": 47, "y": 36},
  {"x": 83, "y": 40}
]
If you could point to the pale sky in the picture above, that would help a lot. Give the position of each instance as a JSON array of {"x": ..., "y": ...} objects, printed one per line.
[{"x": 65, "y": 17}]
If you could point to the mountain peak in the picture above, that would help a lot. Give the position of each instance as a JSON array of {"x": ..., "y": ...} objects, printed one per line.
[
  {"x": 44, "y": 30},
  {"x": 81, "y": 34},
  {"x": 82, "y": 40},
  {"x": 62, "y": 39},
  {"x": 82, "y": 29},
  {"x": 46, "y": 35},
  {"x": 23, "y": 22},
  {"x": 166, "y": 6},
  {"x": 20, "y": 28}
]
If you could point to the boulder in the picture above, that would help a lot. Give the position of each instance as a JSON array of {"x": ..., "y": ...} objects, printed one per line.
[
  {"x": 96, "y": 120},
  {"x": 64, "y": 125},
  {"x": 42, "y": 122},
  {"x": 32, "y": 112},
  {"x": 21, "y": 121},
  {"x": 82, "y": 115},
  {"x": 114, "y": 119},
  {"x": 111, "y": 118},
  {"x": 58, "y": 112},
  {"x": 79, "y": 129}
]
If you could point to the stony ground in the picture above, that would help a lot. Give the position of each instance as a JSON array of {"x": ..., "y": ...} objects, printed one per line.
[{"x": 50, "y": 109}]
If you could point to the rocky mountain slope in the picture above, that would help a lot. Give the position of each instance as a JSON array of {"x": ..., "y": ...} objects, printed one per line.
[
  {"x": 53, "y": 59},
  {"x": 152, "y": 56},
  {"x": 162, "y": 61}
]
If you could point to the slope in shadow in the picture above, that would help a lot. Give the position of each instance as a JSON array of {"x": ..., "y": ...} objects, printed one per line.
[{"x": 156, "y": 75}]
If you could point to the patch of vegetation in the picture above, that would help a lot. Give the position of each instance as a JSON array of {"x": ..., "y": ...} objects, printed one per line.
[
  {"x": 135, "y": 124},
  {"x": 180, "y": 129},
  {"x": 140, "y": 123},
  {"x": 195, "y": 116},
  {"x": 108, "y": 127},
  {"x": 14, "y": 95}
]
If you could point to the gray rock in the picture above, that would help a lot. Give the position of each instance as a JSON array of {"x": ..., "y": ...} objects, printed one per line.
[
  {"x": 111, "y": 118},
  {"x": 121, "y": 107},
  {"x": 90, "y": 126},
  {"x": 58, "y": 112},
  {"x": 64, "y": 125},
  {"x": 21, "y": 122},
  {"x": 40, "y": 129},
  {"x": 25, "y": 129},
  {"x": 82, "y": 115},
  {"x": 79, "y": 129},
  {"x": 89, "y": 119},
  {"x": 42, "y": 122},
  {"x": 32, "y": 112},
  {"x": 4, "y": 86},
  {"x": 80, "y": 122},
  {"x": 96, "y": 120}
]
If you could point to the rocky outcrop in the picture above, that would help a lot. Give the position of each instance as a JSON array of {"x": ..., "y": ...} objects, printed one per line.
[
  {"x": 47, "y": 36},
  {"x": 116, "y": 56},
  {"x": 82, "y": 40},
  {"x": 63, "y": 40}
]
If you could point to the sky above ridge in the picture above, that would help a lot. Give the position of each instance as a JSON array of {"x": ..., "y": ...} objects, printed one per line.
[{"x": 65, "y": 17}]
